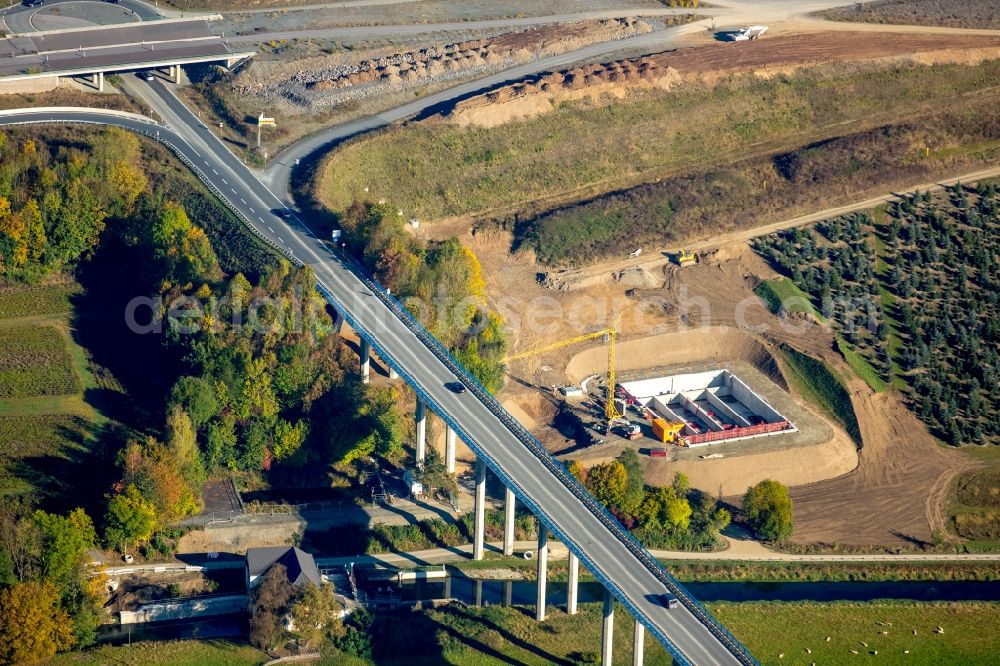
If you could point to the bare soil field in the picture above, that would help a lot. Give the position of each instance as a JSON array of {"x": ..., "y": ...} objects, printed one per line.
[
  {"x": 249, "y": 15},
  {"x": 964, "y": 14},
  {"x": 766, "y": 58}
]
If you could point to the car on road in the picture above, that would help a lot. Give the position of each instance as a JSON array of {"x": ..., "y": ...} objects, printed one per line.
[
  {"x": 33, "y": 3},
  {"x": 283, "y": 213},
  {"x": 149, "y": 76},
  {"x": 670, "y": 601},
  {"x": 456, "y": 387}
]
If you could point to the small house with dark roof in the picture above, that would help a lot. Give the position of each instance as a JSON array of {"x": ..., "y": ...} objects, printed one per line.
[{"x": 300, "y": 565}]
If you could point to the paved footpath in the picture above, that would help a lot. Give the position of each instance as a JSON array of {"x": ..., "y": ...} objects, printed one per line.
[{"x": 742, "y": 550}]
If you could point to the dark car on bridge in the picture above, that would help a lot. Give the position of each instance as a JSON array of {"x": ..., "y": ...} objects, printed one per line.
[{"x": 456, "y": 387}]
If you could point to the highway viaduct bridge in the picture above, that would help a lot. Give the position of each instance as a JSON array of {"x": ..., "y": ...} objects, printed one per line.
[{"x": 502, "y": 445}]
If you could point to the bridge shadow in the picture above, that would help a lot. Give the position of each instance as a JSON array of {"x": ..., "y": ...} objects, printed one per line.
[{"x": 507, "y": 635}]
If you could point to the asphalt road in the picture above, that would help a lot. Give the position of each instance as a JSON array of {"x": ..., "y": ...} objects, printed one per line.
[
  {"x": 17, "y": 18},
  {"x": 482, "y": 427},
  {"x": 278, "y": 174}
]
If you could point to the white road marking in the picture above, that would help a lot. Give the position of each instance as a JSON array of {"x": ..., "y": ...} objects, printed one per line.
[
  {"x": 269, "y": 228},
  {"x": 243, "y": 200},
  {"x": 213, "y": 170}
]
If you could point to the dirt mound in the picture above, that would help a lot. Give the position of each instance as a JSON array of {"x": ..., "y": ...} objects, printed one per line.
[
  {"x": 324, "y": 81},
  {"x": 709, "y": 64},
  {"x": 638, "y": 277},
  {"x": 714, "y": 345}
]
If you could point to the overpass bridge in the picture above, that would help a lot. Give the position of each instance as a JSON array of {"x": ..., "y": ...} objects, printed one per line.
[
  {"x": 100, "y": 50},
  {"x": 502, "y": 445}
]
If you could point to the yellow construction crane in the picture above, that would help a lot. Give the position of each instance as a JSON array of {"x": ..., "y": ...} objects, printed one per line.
[{"x": 610, "y": 410}]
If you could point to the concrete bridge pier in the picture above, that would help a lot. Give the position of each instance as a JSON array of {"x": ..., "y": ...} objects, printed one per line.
[
  {"x": 392, "y": 373},
  {"x": 449, "y": 451},
  {"x": 508, "y": 592},
  {"x": 421, "y": 417},
  {"x": 479, "y": 593},
  {"x": 637, "y": 643},
  {"x": 543, "y": 570},
  {"x": 608, "y": 629},
  {"x": 479, "y": 524},
  {"x": 509, "y": 503},
  {"x": 175, "y": 73},
  {"x": 447, "y": 587},
  {"x": 366, "y": 361},
  {"x": 99, "y": 81},
  {"x": 573, "y": 584}
]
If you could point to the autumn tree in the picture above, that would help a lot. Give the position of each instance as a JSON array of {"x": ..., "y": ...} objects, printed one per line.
[
  {"x": 156, "y": 473},
  {"x": 315, "y": 616},
  {"x": 434, "y": 474},
  {"x": 635, "y": 486},
  {"x": 183, "y": 248},
  {"x": 197, "y": 397},
  {"x": 33, "y": 625},
  {"x": 20, "y": 540},
  {"x": 270, "y": 601},
  {"x": 131, "y": 518},
  {"x": 768, "y": 508},
  {"x": 65, "y": 541},
  {"x": 182, "y": 441},
  {"x": 608, "y": 482},
  {"x": 64, "y": 544}
]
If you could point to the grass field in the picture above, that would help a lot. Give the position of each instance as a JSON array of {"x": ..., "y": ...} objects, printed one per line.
[
  {"x": 783, "y": 294},
  {"x": 433, "y": 171},
  {"x": 819, "y": 385},
  {"x": 37, "y": 300},
  {"x": 770, "y": 630},
  {"x": 46, "y": 425},
  {"x": 464, "y": 636},
  {"x": 35, "y": 361},
  {"x": 765, "y": 572},
  {"x": 974, "y": 507},
  {"x": 172, "y": 653},
  {"x": 862, "y": 367}
]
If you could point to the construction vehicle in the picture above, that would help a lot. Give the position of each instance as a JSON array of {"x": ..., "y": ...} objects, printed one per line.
[
  {"x": 685, "y": 258},
  {"x": 666, "y": 432},
  {"x": 611, "y": 411},
  {"x": 636, "y": 253},
  {"x": 750, "y": 33},
  {"x": 630, "y": 430}
]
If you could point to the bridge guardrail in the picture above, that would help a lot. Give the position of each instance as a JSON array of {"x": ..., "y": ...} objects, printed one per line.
[
  {"x": 515, "y": 427},
  {"x": 557, "y": 468}
]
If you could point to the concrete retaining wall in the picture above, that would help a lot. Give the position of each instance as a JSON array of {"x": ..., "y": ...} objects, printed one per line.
[
  {"x": 34, "y": 85},
  {"x": 183, "y": 609},
  {"x": 744, "y": 394}
]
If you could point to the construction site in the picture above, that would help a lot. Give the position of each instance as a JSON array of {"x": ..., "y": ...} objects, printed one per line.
[{"x": 698, "y": 409}]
